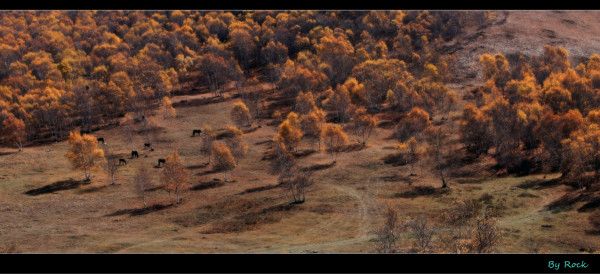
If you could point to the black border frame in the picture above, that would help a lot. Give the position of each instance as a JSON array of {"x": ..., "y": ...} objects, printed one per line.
[
  {"x": 296, "y": 4},
  {"x": 294, "y": 263}
]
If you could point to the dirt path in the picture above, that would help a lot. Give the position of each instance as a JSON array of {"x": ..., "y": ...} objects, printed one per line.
[{"x": 362, "y": 234}]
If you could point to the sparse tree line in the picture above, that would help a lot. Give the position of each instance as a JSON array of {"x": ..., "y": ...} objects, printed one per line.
[
  {"x": 87, "y": 153},
  {"x": 82, "y": 69}
]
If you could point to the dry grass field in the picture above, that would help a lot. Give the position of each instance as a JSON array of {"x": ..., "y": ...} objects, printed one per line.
[{"x": 249, "y": 213}]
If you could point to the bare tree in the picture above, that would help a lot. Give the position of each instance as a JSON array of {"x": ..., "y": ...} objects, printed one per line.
[
  {"x": 208, "y": 136},
  {"x": 485, "y": 235},
  {"x": 110, "y": 165},
  {"x": 422, "y": 232},
  {"x": 438, "y": 149},
  {"x": 388, "y": 234},
  {"x": 175, "y": 176},
  {"x": 142, "y": 182},
  {"x": 297, "y": 183}
]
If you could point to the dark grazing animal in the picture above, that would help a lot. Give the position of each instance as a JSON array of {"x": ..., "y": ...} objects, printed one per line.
[
  {"x": 196, "y": 131},
  {"x": 134, "y": 154},
  {"x": 147, "y": 145},
  {"x": 161, "y": 161},
  {"x": 100, "y": 140},
  {"x": 122, "y": 161}
]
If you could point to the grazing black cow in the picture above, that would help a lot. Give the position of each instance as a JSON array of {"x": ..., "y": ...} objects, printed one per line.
[
  {"x": 134, "y": 154},
  {"x": 147, "y": 145},
  {"x": 161, "y": 161},
  {"x": 196, "y": 131},
  {"x": 100, "y": 140},
  {"x": 122, "y": 161}
]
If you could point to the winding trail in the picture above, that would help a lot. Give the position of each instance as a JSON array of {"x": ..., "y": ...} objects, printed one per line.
[{"x": 362, "y": 233}]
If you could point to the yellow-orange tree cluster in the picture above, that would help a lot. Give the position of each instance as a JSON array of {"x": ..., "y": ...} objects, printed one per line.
[
  {"x": 536, "y": 113},
  {"x": 81, "y": 69}
]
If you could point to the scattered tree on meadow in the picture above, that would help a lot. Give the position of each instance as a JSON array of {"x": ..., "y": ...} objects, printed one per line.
[
  {"x": 388, "y": 234},
  {"x": 167, "y": 109},
  {"x": 175, "y": 176},
  {"x": 84, "y": 153},
  {"x": 208, "y": 136},
  {"x": 289, "y": 131},
  {"x": 363, "y": 124},
  {"x": 142, "y": 181},
  {"x": 415, "y": 122},
  {"x": 333, "y": 137},
  {"x": 339, "y": 102},
  {"x": 236, "y": 143},
  {"x": 222, "y": 157},
  {"x": 423, "y": 234},
  {"x": 283, "y": 161},
  {"x": 311, "y": 125},
  {"x": 111, "y": 165},
  {"x": 437, "y": 138},
  {"x": 485, "y": 235},
  {"x": 296, "y": 184},
  {"x": 240, "y": 114},
  {"x": 410, "y": 152}
]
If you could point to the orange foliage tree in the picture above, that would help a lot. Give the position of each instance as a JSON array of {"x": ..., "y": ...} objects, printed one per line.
[
  {"x": 84, "y": 153},
  {"x": 334, "y": 137},
  {"x": 175, "y": 176}
]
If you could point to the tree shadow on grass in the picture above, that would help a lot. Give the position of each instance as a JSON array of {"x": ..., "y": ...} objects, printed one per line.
[
  {"x": 57, "y": 186},
  {"x": 567, "y": 201},
  {"x": 317, "y": 167},
  {"x": 303, "y": 153},
  {"x": 7, "y": 153},
  {"x": 259, "y": 189},
  {"x": 398, "y": 178},
  {"x": 140, "y": 211},
  {"x": 208, "y": 172},
  {"x": 203, "y": 165},
  {"x": 540, "y": 184},
  {"x": 589, "y": 206},
  {"x": 207, "y": 185},
  {"x": 422, "y": 191}
]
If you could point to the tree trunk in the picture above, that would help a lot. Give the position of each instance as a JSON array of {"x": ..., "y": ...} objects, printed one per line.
[{"x": 444, "y": 184}]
